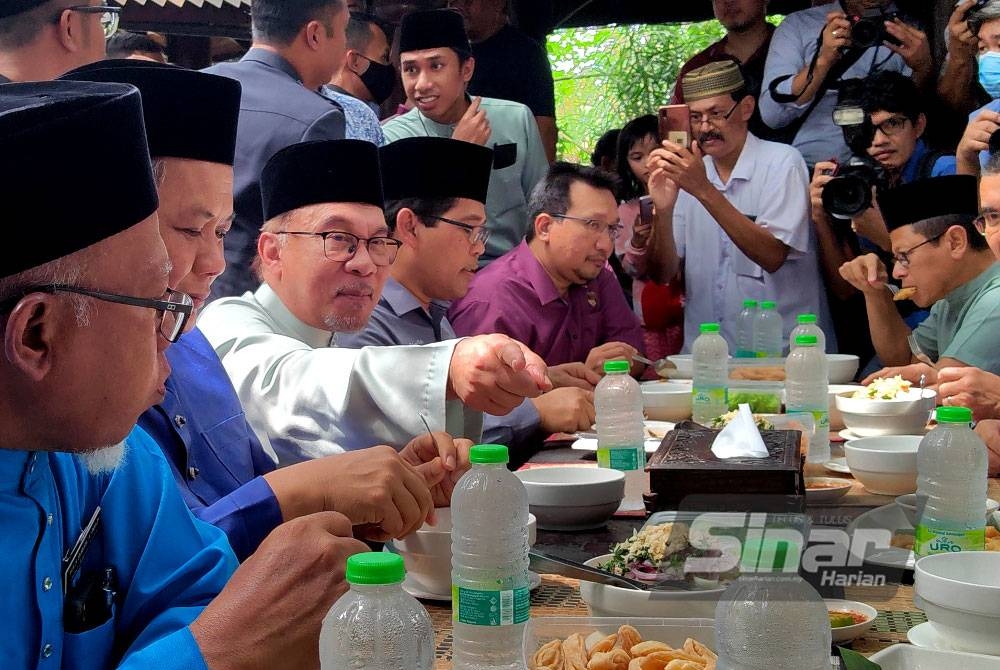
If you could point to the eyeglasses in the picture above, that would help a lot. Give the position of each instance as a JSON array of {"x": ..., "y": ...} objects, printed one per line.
[
  {"x": 891, "y": 126},
  {"x": 903, "y": 257},
  {"x": 714, "y": 117},
  {"x": 988, "y": 218},
  {"x": 174, "y": 307},
  {"x": 340, "y": 246},
  {"x": 109, "y": 16},
  {"x": 612, "y": 230},
  {"x": 477, "y": 234}
]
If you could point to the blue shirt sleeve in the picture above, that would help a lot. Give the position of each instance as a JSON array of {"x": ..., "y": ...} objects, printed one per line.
[{"x": 247, "y": 515}]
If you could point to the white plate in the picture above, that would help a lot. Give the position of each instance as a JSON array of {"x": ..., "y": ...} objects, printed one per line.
[
  {"x": 848, "y": 633},
  {"x": 588, "y": 441},
  {"x": 838, "y": 465},
  {"x": 909, "y": 657},
  {"x": 534, "y": 581},
  {"x": 849, "y": 435},
  {"x": 888, "y": 517},
  {"x": 590, "y": 444}
]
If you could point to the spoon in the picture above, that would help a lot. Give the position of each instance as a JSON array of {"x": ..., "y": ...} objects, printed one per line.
[{"x": 663, "y": 367}]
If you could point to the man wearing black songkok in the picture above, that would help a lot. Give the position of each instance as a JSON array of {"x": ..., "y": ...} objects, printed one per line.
[{"x": 944, "y": 264}]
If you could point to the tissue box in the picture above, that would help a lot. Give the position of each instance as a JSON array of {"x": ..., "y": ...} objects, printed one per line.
[{"x": 685, "y": 474}]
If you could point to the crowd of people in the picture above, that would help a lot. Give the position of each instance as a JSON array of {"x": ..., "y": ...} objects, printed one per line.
[{"x": 249, "y": 326}]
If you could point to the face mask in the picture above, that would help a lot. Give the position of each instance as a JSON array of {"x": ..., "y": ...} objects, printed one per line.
[
  {"x": 989, "y": 73},
  {"x": 379, "y": 79}
]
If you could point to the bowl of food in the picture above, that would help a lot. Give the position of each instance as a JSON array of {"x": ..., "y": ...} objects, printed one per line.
[
  {"x": 826, "y": 489},
  {"x": 884, "y": 465},
  {"x": 908, "y": 503},
  {"x": 427, "y": 555},
  {"x": 664, "y": 400},
  {"x": 887, "y": 406},
  {"x": 960, "y": 594},
  {"x": 836, "y": 418},
  {"x": 850, "y": 619},
  {"x": 573, "y": 497}
]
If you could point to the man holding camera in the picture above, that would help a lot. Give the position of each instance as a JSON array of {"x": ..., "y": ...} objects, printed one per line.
[
  {"x": 981, "y": 136},
  {"x": 814, "y": 49}
]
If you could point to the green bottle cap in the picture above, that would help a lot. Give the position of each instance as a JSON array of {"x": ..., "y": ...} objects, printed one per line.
[
  {"x": 489, "y": 453},
  {"x": 954, "y": 415},
  {"x": 806, "y": 340},
  {"x": 616, "y": 366},
  {"x": 768, "y": 304},
  {"x": 806, "y": 318},
  {"x": 375, "y": 568},
  {"x": 749, "y": 303},
  {"x": 709, "y": 328}
]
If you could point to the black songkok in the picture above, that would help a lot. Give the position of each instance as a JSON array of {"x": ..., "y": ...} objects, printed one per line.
[
  {"x": 929, "y": 198},
  {"x": 435, "y": 167},
  {"x": 433, "y": 29}
]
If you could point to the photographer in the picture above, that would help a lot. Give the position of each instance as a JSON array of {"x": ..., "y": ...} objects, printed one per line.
[
  {"x": 975, "y": 145},
  {"x": 813, "y": 49}
]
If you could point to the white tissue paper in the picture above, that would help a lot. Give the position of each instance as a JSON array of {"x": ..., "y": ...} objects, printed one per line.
[{"x": 740, "y": 439}]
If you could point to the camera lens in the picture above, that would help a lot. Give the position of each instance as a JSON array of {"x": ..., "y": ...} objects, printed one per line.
[
  {"x": 866, "y": 33},
  {"x": 994, "y": 143},
  {"x": 847, "y": 196}
]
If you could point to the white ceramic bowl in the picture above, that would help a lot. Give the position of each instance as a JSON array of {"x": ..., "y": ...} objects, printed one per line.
[
  {"x": 573, "y": 497},
  {"x": 872, "y": 418},
  {"x": 836, "y": 419},
  {"x": 613, "y": 601},
  {"x": 960, "y": 593},
  {"x": 908, "y": 503},
  {"x": 666, "y": 400},
  {"x": 427, "y": 555},
  {"x": 884, "y": 465},
  {"x": 848, "y": 633},
  {"x": 842, "y": 368}
]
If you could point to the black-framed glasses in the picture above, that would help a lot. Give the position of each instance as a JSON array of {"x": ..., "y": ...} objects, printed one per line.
[
  {"x": 988, "y": 218},
  {"x": 109, "y": 16},
  {"x": 612, "y": 230},
  {"x": 477, "y": 234},
  {"x": 903, "y": 257},
  {"x": 714, "y": 117},
  {"x": 891, "y": 126},
  {"x": 174, "y": 307},
  {"x": 340, "y": 246}
]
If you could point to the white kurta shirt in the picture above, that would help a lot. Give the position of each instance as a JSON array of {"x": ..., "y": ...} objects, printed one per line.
[
  {"x": 305, "y": 398},
  {"x": 769, "y": 184}
]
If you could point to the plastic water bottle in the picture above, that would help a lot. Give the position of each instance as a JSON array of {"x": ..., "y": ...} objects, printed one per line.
[
  {"x": 710, "y": 383},
  {"x": 745, "y": 346},
  {"x": 376, "y": 625},
  {"x": 806, "y": 391},
  {"x": 768, "y": 331},
  {"x": 620, "y": 430},
  {"x": 757, "y": 613},
  {"x": 951, "y": 486},
  {"x": 489, "y": 563},
  {"x": 807, "y": 326}
]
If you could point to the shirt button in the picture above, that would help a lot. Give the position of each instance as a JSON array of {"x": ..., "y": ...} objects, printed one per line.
[
  {"x": 47, "y": 651},
  {"x": 193, "y": 472},
  {"x": 180, "y": 421},
  {"x": 47, "y": 584},
  {"x": 49, "y": 519}
]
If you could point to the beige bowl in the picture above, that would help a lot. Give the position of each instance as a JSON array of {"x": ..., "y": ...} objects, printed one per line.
[
  {"x": 874, "y": 418},
  {"x": 666, "y": 400},
  {"x": 884, "y": 465}
]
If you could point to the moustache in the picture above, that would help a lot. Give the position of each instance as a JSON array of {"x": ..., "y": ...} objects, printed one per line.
[{"x": 705, "y": 137}]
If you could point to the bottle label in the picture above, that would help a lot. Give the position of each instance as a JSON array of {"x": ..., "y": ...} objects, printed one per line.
[
  {"x": 716, "y": 396},
  {"x": 618, "y": 459},
  {"x": 821, "y": 417},
  {"x": 929, "y": 540},
  {"x": 490, "y": 608},
  {"x": 745, "y": 353}
]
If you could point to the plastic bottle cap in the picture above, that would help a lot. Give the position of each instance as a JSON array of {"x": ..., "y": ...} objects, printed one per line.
[
  {"x": 489, "y": 453},
  {"x": 749, "y": 303},
  {"x": 709, "y": 328},
  {"x": 806, "y": 318},
  {"x": 954, "y": 415},
  {"x": 616, "y": 366},
  {"x": 806, "y": 340},
  {"x": 375, "y": 568},
  {"x": 768, "y": 304}
]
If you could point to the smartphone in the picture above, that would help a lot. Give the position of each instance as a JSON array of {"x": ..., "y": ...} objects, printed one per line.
[
  {"x": 646, "y": 209},
  {"x": 675, "y": 124}
]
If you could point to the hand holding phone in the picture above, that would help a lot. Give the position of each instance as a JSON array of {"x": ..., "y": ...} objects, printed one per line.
[{"x": 675, "y": 124}]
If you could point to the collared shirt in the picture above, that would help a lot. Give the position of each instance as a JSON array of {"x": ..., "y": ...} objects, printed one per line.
[
  {"x": 4, "y": 80},
  {"x": 992, "y": 106},
  {"x": 361, "y": 121},
  {"x": 168, "y": 565},
  {"x": 943, "y": 165},
  {"x": 399, "y": 318},
  {"x": 770, "y": 186},
  {"x": 515, "y": 296},
  {"x": 216, "y": 459},
  {"x": 964, "y": 324},
  {"x": 518, "y": 164},
  {"x": 306, "y": 398},
  {"x": 792, "y": 48}
]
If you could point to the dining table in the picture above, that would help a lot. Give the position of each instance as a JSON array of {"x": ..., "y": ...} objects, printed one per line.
[{"x": 560, "y": 596}]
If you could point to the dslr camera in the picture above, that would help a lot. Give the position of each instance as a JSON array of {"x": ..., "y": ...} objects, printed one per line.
[
  {"x": 849, "y": 193},
  {"x": 868, "y": 27}
]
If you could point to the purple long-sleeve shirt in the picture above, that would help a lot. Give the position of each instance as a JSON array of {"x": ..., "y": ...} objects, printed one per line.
[{"x": 513, "y": 295}]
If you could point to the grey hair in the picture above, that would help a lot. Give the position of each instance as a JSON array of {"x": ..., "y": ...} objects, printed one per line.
[
  {"x": 992, "y": 167},
  {"x": 989, "y": 12},
  {"x": 66, "y": 270}
]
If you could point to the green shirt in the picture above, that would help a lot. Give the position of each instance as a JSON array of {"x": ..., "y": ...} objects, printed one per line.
[
  {"x": 519, "y": 163},
  {"x": 964, "y": 324}
]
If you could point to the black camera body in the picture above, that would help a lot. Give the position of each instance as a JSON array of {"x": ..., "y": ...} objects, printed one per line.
[
  {"x": 868, "y": 28},
  {"x": 849, "y": 193}
]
